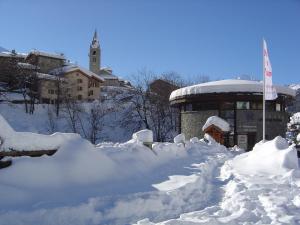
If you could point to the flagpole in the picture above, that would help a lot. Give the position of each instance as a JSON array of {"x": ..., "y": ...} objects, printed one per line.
[{"x": 264, "y": 100}]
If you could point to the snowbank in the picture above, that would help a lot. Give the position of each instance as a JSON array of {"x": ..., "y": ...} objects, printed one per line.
[
  {"x": 143, "y": 136},
  {"x": 218, "y": 122},
  {"x": 26, "y": 141},
  {"x": 260, "y": 187},
  {"x": 180, "y": 138},
  {"x": 273, "y": 157}
]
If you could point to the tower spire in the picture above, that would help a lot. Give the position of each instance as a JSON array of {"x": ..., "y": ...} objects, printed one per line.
[
  {"x": 95, "y": 35},
  {"x": 95, "y": 41},
  {"x": 95, "y": 54}
]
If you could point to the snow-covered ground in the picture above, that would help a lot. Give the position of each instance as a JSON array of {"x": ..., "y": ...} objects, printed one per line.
[
  {"x": 187, "y": 182},
  {"x": 260, "y": 187},
  {"x": 40, "y": 121}
]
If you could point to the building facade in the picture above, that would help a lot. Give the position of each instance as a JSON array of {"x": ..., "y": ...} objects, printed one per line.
[
  {"x": 73, "y": 82},
  {"x": 239, "y": 102},
  {"x": 104, "y": 72}
]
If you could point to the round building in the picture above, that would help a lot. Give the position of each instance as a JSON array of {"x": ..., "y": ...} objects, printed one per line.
[{"x": 240, "y": 103}]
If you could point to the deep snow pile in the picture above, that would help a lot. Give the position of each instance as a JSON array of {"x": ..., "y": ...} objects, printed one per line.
[
  {"x": 262, "y": 187},
  {"x": 26, "y": 141},
  {"x": 111, "y": 183}
]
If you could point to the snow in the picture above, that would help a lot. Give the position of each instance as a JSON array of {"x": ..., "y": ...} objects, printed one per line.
[
  {"x": 295, "y": 119},
  {"x": 27, "y": 66},
  {"x": 27, "y": 141},
  {"x": 195, "y": 182},
  {"x": 180, "y": 138},
  {"x": 298, "y": 137},
  {"x": 12, "y": 96},
  {"x": 278, "y": 158},
  {"x": 143, "y": 136},
  {"x": 256, "y": 191},
  {"x": 47, "y": 54},
  {"x": 295, "y": 86},
  {"x": 71, "y": 68},
  {"x": 218, "y": 122},
  {"x": 227, "y": 86}
]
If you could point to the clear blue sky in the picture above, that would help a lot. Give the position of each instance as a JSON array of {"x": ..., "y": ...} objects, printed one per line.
[{"x": 218, "y": 38}]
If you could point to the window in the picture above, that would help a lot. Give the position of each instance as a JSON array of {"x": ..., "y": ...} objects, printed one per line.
[
  {"x": 79, "y": 81},
  {"x": 94, "y": 52},
  {"x": 227, "y": 105},
  {"x": 91, "y": 92},
  {"x": 94, "y": 59},
  {"x": 256, "y": 105},
  {"x": 51, "y": 91},
  {"x": 243, "y": 105},
  {"x": 188, "y": 107},
  {"x": 278, "y": 107},
  {"x": 79, "y": 88},
  {"x": 79, "y": 97},
  {"x": 205, "y": 106}
]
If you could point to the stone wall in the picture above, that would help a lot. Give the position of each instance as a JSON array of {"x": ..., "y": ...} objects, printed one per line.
[{"x": 193, "y": 121}]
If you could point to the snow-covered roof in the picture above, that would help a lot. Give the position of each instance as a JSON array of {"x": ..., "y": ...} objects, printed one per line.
[
  {"x": 295, "y": 86},
  {"x": 227, "y": 86},
  {"x": 106, "y": 74},
  {"x": 27, "y": 66},
  {"x": 47, "y": 54},
  {"x": 218, "y": 122},
  {"x": 10, "y": 54},
  {"x": 71, "y": 68},
  {"x": 45, "y": 76}
]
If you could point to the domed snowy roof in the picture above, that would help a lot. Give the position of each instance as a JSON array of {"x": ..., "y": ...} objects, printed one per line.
[{"x": 228, "y": 86}]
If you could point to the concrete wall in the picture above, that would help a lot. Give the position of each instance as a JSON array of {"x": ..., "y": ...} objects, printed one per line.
[{"x": 193, "y": 121}]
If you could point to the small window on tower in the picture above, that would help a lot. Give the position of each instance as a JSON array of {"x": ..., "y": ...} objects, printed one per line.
[
  {"x": 94, "y": 52},
  {"x": 94, "y": 59}
]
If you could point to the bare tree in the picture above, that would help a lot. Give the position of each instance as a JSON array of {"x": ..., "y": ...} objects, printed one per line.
[
  {"x": 51, "y": 123},
  {"x": 95, "y": 119},
  {"x": 72, "y": 112},
  {"x": 152, "y": 109}
]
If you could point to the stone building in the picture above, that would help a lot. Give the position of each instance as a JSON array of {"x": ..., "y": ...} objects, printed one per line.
[
  {"x": 45, "y": 61},
  {"x": 162, "y": 87},
  {"x": 239, "y": 102},
  {"x": 104, "y": 72},
  {"x": 9, "y": 64},
  {"x": 74, "y": 82}
]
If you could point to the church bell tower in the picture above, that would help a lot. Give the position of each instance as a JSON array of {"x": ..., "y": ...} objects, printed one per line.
[{"x": 95, "y": 54}]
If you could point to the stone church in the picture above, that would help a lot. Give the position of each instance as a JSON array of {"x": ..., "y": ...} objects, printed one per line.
[{"x": 95, "y": 65}]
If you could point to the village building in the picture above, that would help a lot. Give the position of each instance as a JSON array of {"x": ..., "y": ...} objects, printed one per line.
[
  {"x": 239, "y": 102},
  {"x": 45, "y": 61},
  {"x": 162, "y": 88},
  {"x": 104, "y": 72},
  {"x": 72, "y": 82},
  {"x": 57, "y": 77}
]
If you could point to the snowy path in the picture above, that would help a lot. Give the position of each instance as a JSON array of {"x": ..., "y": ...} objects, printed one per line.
[{"x": 257, "y": 191}]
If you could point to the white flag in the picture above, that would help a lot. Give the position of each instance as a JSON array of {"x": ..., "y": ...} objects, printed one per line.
[{"x": 270, "y": 91}]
